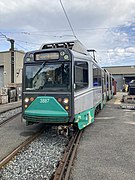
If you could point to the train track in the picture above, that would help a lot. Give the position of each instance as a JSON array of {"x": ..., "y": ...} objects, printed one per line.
[
  {"x": 45, "y": 169},
  {"x": 9, "y": 118},
  {"x": 10, "y": 156},
  {"x": 7, "y": 110},
  {"x": 63, "y": 170}
]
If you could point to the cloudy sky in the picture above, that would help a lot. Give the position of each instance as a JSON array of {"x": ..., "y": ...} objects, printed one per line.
[{"x": 107, "y": 26}]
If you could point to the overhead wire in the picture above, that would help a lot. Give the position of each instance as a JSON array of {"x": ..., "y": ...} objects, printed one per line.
[
  {"x": 20, "y": 46},
  {"x": 3, "y": 36},
  {"x": 27, "y": 42},
  {"x": 67, "y": 18},
  {"x": 63, "y": 30},
  {"x": 58, "y": 30},
  {"x": 41, "y": 33},
  {"x": 8, "y": 39},
  {"x": 28, "y": 33}
]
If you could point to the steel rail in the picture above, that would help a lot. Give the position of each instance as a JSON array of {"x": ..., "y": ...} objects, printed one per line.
[
  {"x": 11, "y": 155},
  {"x": 64, "y": 167},
  {"x": 72, "y": 156},
  {"x": 9, "y": 119},
  {"x": 7, "y": 110}
]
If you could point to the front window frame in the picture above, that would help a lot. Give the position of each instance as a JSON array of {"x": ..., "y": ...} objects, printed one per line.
[{"x": 48, "y": 89}]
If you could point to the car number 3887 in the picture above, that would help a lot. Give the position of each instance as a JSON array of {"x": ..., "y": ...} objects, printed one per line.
[{"x": 44, "y": 101}]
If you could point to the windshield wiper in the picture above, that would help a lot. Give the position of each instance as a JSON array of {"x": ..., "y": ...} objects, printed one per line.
[{"x": 41, "y": 67}]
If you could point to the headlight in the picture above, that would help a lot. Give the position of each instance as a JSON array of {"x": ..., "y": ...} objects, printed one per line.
[
  {"x": 26, "y": 99},
  {"x": 26, "y": 106},
  {"x": 66, "y": 107},
  {"x": 65, "y": 100},
  {"x": 28, "y": 59},
  {"x": 66, "y": 57}
]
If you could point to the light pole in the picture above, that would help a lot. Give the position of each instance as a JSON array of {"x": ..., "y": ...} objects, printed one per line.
[
  {"x": 12, "y": 58},
  {"x": 12, "y": 55}
]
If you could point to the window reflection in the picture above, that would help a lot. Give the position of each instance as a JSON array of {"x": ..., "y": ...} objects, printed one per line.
[
  {"x": 81, "y": 75},
  {"x": 96, "y": 76},
  {"x": 50, "y": 77}
]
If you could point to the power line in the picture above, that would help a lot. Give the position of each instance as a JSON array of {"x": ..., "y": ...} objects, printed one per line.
[
  {"x": 58, "y": 30},
  {"x": 27, "y": 42},
  {"x": 67, "y": 19},
  {"x": 20, "y": 46},
  {"x": 4, "y": 36}
]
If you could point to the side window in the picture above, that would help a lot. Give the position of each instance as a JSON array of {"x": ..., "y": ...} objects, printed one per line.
[
  {"x": 105, "y": 81},
  {"x": 96, "y": 76},
  {"x": 99, "y": 77},
  {"x": 110, "y": 83},
  {"x": 81, "y": 75}
]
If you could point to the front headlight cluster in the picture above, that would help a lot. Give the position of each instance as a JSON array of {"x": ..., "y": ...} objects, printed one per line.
[
  {"x": 64, "y": 102},
  {"x": 27, "y": 100},
  {"x": 29, "y": 58}
]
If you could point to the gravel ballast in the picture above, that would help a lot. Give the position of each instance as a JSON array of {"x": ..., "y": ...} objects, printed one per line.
[{"x": 38, "y": 160}]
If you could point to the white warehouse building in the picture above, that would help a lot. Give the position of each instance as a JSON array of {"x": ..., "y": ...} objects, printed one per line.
[
  {"x": 122, "y": 74},
  {"x": 5, "y": 67}
]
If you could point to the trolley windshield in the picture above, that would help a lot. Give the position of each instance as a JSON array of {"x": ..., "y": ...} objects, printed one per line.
[{"x": 47, "y": 77}]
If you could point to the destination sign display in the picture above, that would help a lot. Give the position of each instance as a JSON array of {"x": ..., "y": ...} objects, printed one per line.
[{"x": 47, "y": 56}]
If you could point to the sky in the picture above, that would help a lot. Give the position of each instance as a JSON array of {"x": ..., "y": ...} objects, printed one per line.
[{"x": 107, "y": 26}]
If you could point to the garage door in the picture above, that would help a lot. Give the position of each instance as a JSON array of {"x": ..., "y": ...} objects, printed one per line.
[{"x": 1, "y": 76}]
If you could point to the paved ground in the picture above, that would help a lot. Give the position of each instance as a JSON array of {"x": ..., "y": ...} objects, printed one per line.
[
  {"x": 13, "y": 133},
  {"x": 107, "y": 148}
]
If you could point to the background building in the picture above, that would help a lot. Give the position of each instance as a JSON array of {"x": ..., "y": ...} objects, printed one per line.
[
  {"x": 5, "y": 67},
  {"x": 122, "y": 74}
]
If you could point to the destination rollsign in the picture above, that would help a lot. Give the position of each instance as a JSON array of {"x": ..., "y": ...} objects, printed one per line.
[
  {"x": 62, "y": 55},
  {"x": 44, "y": 56}
]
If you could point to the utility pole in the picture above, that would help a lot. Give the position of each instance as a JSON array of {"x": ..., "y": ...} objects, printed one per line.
[
  {"x": 12, "y": 59},
  {"x": 12, "y": 55}
]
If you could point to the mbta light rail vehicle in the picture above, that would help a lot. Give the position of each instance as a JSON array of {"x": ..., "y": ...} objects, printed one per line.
[{"x": 63, "y": 85}]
